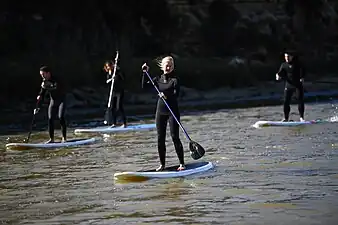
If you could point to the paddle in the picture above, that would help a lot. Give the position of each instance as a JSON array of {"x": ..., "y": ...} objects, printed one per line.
[
  {"x": 196, "y": 150},
  {"x": 107, "y": 117},
  {"x": 31, "y": 127}
]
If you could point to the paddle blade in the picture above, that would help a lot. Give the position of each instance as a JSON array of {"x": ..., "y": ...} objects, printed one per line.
[
  {"x": 196, "y": 150},
  {"x": 107, "y": 117}
]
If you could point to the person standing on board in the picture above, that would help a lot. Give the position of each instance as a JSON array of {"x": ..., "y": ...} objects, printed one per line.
[
  {"x": 293, "y": 73},
  {"x": 118, "y": 92},
  {"x": 169, "y": 87},
  {"x": 57, "y": 105}
]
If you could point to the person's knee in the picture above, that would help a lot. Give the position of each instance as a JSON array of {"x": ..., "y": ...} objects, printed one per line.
[
  {"x": 62, "y": 120},
  {"x": 175, "y": 135},
  {"x": 178, "y": 144},
  {"x": 286, "y": 104},
  {"x": 51, "y": 117},
  {"x": 300, "y": 98},
  {"x": 161, "y": 136}
]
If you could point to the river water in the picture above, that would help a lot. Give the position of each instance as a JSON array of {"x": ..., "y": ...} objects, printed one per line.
[{"x": 261, "y": 176}]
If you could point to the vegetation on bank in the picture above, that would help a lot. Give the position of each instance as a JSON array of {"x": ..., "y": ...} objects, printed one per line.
[{"x": 205, "y": 39}]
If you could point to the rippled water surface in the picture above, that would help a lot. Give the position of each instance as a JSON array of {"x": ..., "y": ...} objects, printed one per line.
[{"x": 262, "y": 176}]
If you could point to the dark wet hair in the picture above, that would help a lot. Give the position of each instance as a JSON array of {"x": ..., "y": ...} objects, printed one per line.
[
  {"x": 292, "y": 52},
  {"x": 45, "y": 69},
  {"x": 109, "y": 62}
]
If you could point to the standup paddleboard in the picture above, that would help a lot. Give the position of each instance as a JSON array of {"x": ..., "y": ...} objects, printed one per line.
[
  {"x": 285, "y": 124},
  {"x": 108, "y": 129},
  {"x": 73, "y": 142},
  {"x": 169, "y": 172}
]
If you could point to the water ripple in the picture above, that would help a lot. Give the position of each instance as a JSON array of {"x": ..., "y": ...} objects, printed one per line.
[{"x": 261, "y": 176}]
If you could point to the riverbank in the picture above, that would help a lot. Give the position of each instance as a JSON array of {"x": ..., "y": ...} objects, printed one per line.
[{"x": 88, "y": 104}]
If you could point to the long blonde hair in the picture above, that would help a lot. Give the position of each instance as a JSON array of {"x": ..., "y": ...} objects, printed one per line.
[{"x": 162, "y": 63}]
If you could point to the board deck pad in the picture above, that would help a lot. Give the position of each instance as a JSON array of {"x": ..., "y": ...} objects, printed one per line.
[
  {"x": 169, "y": 172},
  {"x": 259, "y": 124},
  {"x": 58, "y": 144},
  {"x": 108, "y": 129}
]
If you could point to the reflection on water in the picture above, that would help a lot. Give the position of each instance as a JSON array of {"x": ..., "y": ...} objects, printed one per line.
[{"x": 261, "y": 176}]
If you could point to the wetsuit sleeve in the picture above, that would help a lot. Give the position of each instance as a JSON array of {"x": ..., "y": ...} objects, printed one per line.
[
  {"x": 42, "y": 97},
  {"x": 108, "y": 76},
  {"x": 145, "y": 83},
  {"x": 177, "y": 88},
  {"x": 281, "y": 72},
  {"x": 122, "y": 76},
  {"x": 63, "y": 87}
]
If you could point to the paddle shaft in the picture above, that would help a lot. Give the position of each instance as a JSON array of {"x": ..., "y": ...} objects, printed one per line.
[
  {"x": 31, "y": 128},
  {"x": 165, "y": 102},
  {"x": 112, "y": 81},
  {"x": 32, "y": 124}
]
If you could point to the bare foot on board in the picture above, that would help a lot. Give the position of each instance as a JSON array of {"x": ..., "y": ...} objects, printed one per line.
[
  {"x": 181, "y": 167},
  {"x": 49, "y": 141},
  {"x": 160, "y": 168}
]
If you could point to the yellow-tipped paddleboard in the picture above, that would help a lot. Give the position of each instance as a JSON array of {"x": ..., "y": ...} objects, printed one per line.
[{"x": 169, "y": 172}]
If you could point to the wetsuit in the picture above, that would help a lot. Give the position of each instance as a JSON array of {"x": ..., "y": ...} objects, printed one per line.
[
  {"x": 57, "y": 105},
  {"x": 169, "y": 85},
  {"x": 292, "y": 72},
  {"x": 117, "y": 97}
]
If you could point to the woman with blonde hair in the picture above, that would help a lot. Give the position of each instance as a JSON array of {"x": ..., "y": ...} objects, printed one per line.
[{"x": 169, "y": 87}]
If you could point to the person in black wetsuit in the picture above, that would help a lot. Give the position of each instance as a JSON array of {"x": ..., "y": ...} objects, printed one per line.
[
  {"x": 118, "y": 92},
  {"x": 169, "y": 87},
  {"x": 293, "y": 73},
  {"x": 57, "y": 105}
]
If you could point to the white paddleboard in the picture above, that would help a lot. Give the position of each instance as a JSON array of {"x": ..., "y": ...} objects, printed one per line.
[
  {"x": 73, "y": 142},
  {"x": 259, "y": 124},
  {"x": 108, "y": 129},
  {"x": 169, "y": 172}
]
